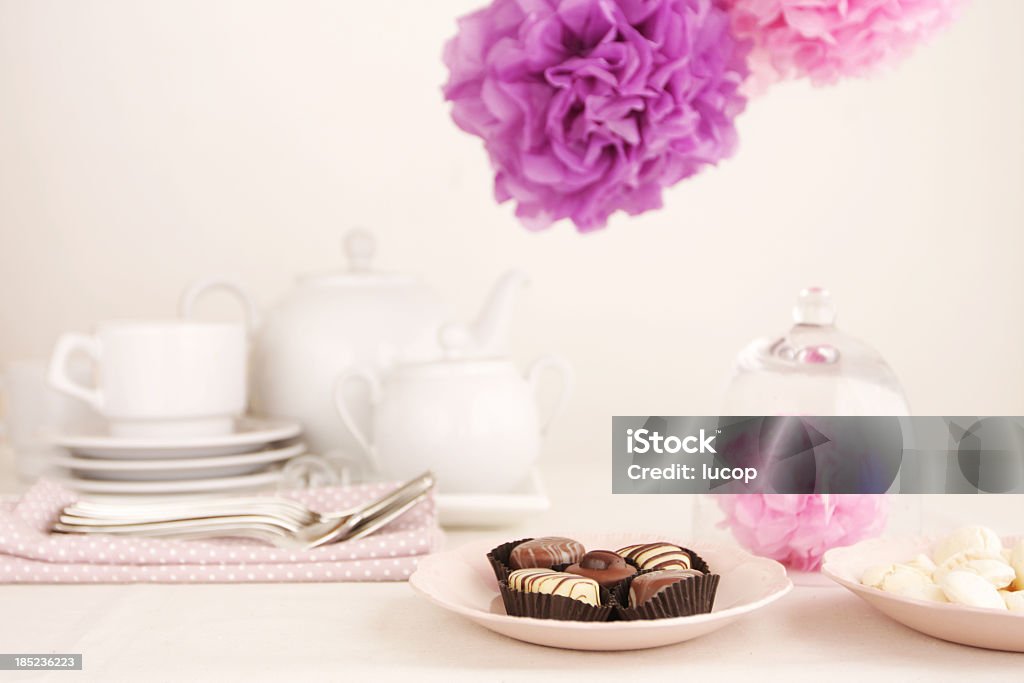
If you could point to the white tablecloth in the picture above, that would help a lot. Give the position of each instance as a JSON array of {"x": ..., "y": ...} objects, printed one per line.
[
  {"x": 351, "y": 631},
  {"x": 358, "y": 631}
]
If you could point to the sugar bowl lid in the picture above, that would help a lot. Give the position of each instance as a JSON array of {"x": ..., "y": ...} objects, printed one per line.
[{"x": 460, "y": 354}]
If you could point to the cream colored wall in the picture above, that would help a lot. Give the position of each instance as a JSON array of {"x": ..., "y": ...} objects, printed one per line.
[{"x": 143, "y": 144}]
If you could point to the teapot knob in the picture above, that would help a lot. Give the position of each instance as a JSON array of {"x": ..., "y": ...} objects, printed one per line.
[
  {"x": 455, "y": 340},
  {"x": 814, "y": 306},
  {"x": 360, "y": 248}
]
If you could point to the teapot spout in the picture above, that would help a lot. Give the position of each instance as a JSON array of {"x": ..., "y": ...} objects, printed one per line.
[{"x": 492, "y": 324}]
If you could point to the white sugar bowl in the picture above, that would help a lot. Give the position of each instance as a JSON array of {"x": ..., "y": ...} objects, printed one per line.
[{"x": 473, "y": 421}]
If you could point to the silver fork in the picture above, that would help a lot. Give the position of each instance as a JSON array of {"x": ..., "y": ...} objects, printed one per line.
[
  {"x": 279, "y": 521},
  {"x": 228, "y": 518},
  {"x": 290, "y": 513},
  {"x": 286, "y": 512}
]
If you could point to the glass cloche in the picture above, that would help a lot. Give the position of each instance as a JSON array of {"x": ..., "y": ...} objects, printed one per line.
[{"x": 814, "y": 369}]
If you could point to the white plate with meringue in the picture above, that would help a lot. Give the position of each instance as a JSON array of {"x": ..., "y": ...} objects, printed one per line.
[
  {"x": 462, "y": 581},
  {"x": 966, "y": 588}
]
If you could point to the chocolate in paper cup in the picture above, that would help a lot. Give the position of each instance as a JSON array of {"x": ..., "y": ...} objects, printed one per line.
[
  {"x": 499, "y": 558},
  {"x": 683, "y": 598},
  {"x": 613, "y": 589},
  {"x": 696, "y": 561},
  {"x": 558, "y": 607}
]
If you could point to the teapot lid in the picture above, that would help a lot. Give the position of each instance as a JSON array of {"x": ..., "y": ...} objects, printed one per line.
[{"x": 360, "y": 247}]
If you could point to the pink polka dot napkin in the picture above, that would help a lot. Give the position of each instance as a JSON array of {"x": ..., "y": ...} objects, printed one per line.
[{"x": 29, "y": 553}]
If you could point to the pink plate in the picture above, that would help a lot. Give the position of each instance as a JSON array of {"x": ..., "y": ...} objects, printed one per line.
[
  {"x": 462, "y": 581},
  {"x": 989, "y": 628}
]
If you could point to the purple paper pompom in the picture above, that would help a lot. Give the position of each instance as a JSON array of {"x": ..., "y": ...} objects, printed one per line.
[
  {"x": 587, "y": 107},
  {"x": 824, "y": 40}
]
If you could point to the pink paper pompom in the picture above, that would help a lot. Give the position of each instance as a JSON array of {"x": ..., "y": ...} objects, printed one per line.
[
  {"x": 797, "y": 529},
  {"x": 827, "y": 39}
]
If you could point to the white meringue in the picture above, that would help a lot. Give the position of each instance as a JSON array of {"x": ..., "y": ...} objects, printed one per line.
[
  {"x": 903, "y": 579},
  {"x": 967, "y": 588},
  {"x": 1014, "y": 600},
  {"x": 969, "y": 567},
  {"x": 993, "y": 570},
  {"x": 969, "y": 538},
  {"x": 922, "y": 562},
  {"x": 878, "y": 575},
  {"x": 1017, "y": 562},
  {"x": 918, "y": 587},
  {"x": 874, "y": 576}
]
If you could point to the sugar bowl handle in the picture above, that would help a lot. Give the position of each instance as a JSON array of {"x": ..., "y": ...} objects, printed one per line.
[
  {"x": 558, "y": 365},
  {"x": 341, "y": 403}
]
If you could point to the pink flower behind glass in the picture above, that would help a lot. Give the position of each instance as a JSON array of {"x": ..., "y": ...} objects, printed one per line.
[
  {"x": 827, "y": 39},
  {"x": 797, "y": 529},
  {"x": 587, "y": 107}
]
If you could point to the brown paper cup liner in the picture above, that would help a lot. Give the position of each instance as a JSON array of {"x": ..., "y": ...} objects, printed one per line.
[
  {"x": 499, "y": 561},
  {"x": 499, "y": 558},
  {"x": 558, "y": 607},
  {"x": 697, "y": 562},
  {"x": 682, "y": 599}
]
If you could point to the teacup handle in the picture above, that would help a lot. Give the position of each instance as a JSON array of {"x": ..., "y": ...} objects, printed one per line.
[
  {"x": 564, "y": 371},
  {"x": 373, "y": 386},
  {"x": 204, "y": 286},
  {"x": 60, "y": 378}
]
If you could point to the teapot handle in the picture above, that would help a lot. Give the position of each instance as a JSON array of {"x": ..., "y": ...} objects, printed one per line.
[
  {"x": 204, "y": 286},
  {"x": 564, "y": 371},
  {"x": 341, "y": 404}
]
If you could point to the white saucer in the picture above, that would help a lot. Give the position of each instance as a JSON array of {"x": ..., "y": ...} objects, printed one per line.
[
  {"x": 175, "y": 468},
  {"x": 262, "y": 479},
  {"x": 988, "y": 628},
  {"x": 493, "y": 509},
  {"x": 462, "y": 581},
  {"x": 249, "y": 432}
]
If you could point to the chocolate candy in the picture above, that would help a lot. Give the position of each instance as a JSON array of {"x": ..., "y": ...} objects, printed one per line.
[
  {"x": 603, "y": 566},
  {"x": 647, "y": 586},
  {"x": 657, "y": 556},
  {"x": 556, "y": 583},
  {"x": 546, "y": 552}
]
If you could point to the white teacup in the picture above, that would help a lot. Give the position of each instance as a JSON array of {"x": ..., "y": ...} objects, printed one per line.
[{"x": 160, "y": 378}]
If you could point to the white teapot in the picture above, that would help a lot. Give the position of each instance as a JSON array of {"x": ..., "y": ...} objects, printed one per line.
[
  {"x": 471, "y": 420},
  {"x": 334, "y": 321}
]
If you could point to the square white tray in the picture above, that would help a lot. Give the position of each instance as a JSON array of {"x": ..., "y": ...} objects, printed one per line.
[{"x": 493, "y": 509}]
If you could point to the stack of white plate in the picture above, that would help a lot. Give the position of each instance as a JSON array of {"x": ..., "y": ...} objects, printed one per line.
[{"x": 252, "y": 457}]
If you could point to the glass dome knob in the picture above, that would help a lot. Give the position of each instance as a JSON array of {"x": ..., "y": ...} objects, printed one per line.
[{"x": 814, "y": 306}]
